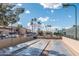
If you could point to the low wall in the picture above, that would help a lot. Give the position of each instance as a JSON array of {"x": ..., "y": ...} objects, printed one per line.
[
  {"x": 13, "y": 41},
  {"x": 73, "y": 45},
  {"x": 49, "y": 37}
]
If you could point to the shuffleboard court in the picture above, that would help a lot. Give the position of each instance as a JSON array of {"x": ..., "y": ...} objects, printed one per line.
[{"x": 35, "y": 49}]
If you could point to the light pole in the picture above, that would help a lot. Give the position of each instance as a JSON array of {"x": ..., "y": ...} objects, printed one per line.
[
  {"x": 65, "y": 5},
  {"x": 31, "y": 25}
]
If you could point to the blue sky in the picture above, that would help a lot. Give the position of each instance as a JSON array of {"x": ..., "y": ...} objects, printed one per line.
[{"x": 57, "y": 17}]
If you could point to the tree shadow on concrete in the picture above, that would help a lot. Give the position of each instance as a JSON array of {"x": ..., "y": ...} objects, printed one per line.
[
  {"x": 35, "y": 52},
  {"x": 55, "y": 53}
]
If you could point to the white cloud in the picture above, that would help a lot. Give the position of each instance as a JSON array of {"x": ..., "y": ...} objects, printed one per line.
[
  {"x": 68, "y": 27},
  {"x": 15, "y": 24},
  {"x": 56, "y": 27},
  {"x": 19, "y": 4},
  {"x": 51, "y": 5},
  {"x": 52, "y": 11},
  {"x": 43, "y": 25},
  {"x": 43, "y": 19},
  {"x": 28, "y": 24},
  {"x": 27, "y": 12},
  {"x": 19, "y": 23},
  {"x": 69, "y": 16}
]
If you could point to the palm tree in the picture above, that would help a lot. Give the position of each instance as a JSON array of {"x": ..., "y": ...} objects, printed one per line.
[
  {"x": 35, "y": 19},
  {"x": 40, "y": 32},
  {"x": 39, "y": 25},
  {"x": 33, "y": 23}
]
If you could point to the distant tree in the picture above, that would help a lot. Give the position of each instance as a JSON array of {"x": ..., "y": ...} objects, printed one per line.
[
  {"x": 35, "y": 23},
  {"x": 58, "y": 33},
  {"x": 40, "y": 33},
  {"x": 48, "y": 33},
  {"x": 19, "y": 26}
]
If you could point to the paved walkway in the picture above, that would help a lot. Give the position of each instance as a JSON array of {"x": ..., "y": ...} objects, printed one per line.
[
  {"x": 35, "y": 49},
  {"x": 56, "y": 48},
  {"x": 53, "y": 47}
]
